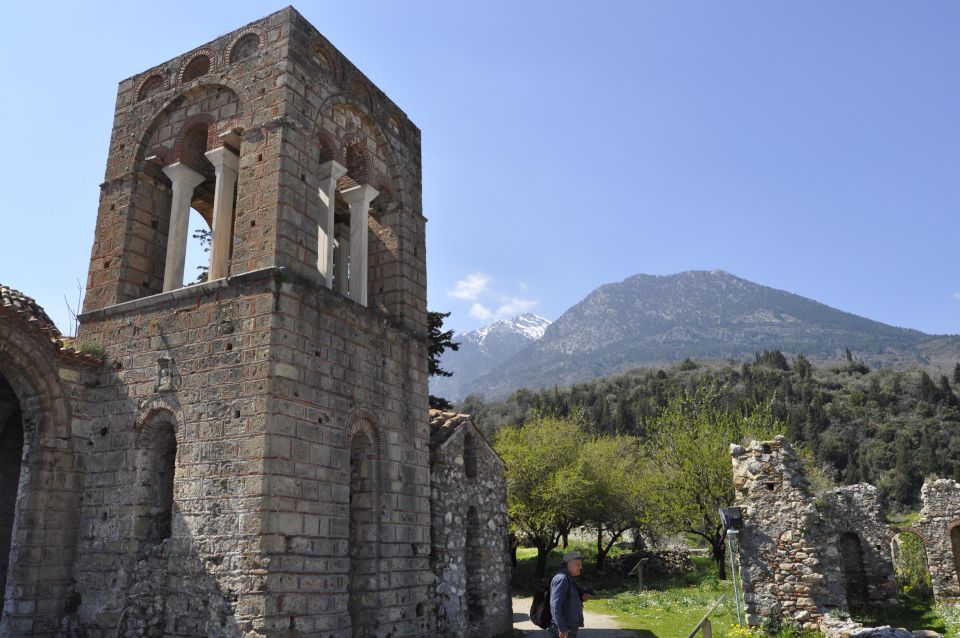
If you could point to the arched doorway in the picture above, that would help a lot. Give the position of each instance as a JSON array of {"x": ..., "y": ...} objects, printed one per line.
[
  {"x": 911, "y": 567},
  {"x": 363, "y": 534},
  {"x": 955, "y": 546},
  {"x": 851, "y": 562},
  {"x": 11, "y": 454}
]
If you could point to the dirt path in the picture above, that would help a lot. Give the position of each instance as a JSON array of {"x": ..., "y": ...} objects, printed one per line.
[{"x": 597, "y": 625}]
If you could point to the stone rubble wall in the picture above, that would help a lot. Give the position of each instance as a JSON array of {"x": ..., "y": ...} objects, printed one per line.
[
  {"x": 939, "y": 517},
  {"x": 855, "y": 510},
  {"x": 453, "y": 494},
  {"x": 791, "y": 566}
]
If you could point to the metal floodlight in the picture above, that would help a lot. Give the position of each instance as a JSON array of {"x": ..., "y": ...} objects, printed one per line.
[{"x": 732, "y": 518}]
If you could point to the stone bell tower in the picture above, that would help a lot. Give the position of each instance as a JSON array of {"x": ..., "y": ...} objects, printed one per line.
[{"x": 258, "y": 446}]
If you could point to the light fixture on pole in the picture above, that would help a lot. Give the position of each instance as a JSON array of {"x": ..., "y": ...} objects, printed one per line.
[{"x": 732, "y": 520}]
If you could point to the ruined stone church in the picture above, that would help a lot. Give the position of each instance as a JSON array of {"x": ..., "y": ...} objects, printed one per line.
[{"x": 252, "y": 455}]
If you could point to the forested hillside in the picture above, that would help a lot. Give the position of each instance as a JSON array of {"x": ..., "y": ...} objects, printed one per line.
[{"x": 887, "y": 427}]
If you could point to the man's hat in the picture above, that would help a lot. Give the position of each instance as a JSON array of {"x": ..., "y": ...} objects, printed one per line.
[{"x": 569, "y": 556}]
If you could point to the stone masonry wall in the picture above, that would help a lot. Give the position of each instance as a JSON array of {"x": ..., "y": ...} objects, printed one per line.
[
  {"x": 43, "y": 404},
  {"x": 803, "y": 555},
  {"x": 851, "y": 511},
  {"x": 199, "y": 360},
  {"x": 459, "y": 500},
  {"x": 939, "y": 528}
]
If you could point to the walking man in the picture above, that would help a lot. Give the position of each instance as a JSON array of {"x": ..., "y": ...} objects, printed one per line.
[{"x": 566, "y": 599}]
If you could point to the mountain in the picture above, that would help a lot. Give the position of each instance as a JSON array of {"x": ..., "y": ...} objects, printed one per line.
[
  {"x": 651, "y": 320},
  {"x": 483, "y": 349}
]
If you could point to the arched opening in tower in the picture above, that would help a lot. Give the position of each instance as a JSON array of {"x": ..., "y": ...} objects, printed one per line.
[
  {"x": 362, "y": 592},
  {"x": 11, "y": 453}
]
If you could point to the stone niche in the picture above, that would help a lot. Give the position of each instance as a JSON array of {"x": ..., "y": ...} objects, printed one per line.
[{"x": 803, "y": 555}]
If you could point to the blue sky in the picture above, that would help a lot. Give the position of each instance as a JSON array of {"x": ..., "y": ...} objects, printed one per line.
[{"x": 813, "y": 147}]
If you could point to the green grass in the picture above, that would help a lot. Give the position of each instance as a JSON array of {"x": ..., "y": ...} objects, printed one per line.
[{"x": 910, "y": 614}]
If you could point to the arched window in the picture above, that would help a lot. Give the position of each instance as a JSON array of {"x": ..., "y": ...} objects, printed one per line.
[
  {"x": 362, "y": 537},
  {"x": 470, "y": 455},
  {"x": 473, "y": 561},
  {"x": 245, "y": 47},
  {"x": 197, "y": 67},
  {"x": 151, "y": 86},
  {"x": 157, "y": 481},
  {"x": 11, "y": 452}
]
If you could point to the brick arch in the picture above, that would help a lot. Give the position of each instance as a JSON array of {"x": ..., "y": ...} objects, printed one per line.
[
  {"x": 150, "y": 84},
  {"x": 913, "y": 530},
  {"x": 394, "y": 174},
  {"x": 146, "y": 425},
  {"x": 194, "y": 58},
  {"x": 164, "y": 153},
  {"x": 363, "y": 95},
  {"x": 181, "y": 149},
  {"x": 261, "y": 42},
  {"x": 362, "y": 420},
  {"x": 326, "y": 58},
  {"x": 28, "y": 361},
  {"x": 172, "y": 105},
  {"x": 327, "y": 148},
  {"x": 356, "y": 156}
]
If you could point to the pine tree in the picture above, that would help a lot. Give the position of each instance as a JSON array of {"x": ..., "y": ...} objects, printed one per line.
[{"x": 440, "y": 341}]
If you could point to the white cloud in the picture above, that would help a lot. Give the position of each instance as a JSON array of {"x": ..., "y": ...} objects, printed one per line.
[
  {"x": 956, "y": 295},
  {"x": 523, "y": 286},
  {"x": 487, "y": 304},
  {"x": 513, "y": 306},
  {"x": 471, "y": 287},
  {"x": 481, "y": 312}
]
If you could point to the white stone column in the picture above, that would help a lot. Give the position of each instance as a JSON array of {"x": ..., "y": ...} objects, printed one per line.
[
  {"x": 184, "y": 179},
  {"x": 341, "y": 256},
  {"x": 226, "y": 163},
  {"x": 330, "y": 172},
  {"x": 359, "y": 198}
]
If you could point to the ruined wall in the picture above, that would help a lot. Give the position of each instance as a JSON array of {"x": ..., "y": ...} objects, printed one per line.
[
  {"x": 854, "y": 526},
  {"x": 470, "y": 546},
  {"x": 796, "y": 550},
  {"x": 939, "y": 528},
  {"x": 43, "y": 416}
]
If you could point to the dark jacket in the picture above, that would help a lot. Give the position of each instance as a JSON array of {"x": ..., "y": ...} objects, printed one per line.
[{"x": 565, "y": 603}]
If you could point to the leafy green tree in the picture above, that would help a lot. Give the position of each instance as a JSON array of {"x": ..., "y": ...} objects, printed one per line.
[
  {"x": 690, "y": 447},
  {"x": 440, "y": 341},
  {"x": 545, "y": 488},
  {"x": 613, "y": 470}
]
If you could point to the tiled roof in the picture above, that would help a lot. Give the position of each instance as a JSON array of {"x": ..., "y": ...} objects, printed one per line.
[
  {"x": 444, "y": 424},
  {"x": 27, "y": 310}
]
